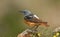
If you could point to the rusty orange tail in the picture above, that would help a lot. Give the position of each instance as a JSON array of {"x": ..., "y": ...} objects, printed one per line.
[{"x": 44, "y": 24}]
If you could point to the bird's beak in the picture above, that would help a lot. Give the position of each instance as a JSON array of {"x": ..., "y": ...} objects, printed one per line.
[{"x": 20, "y": 11}]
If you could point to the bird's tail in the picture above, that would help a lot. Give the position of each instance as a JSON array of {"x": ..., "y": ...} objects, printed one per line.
[{"x": 44, "y": 24}]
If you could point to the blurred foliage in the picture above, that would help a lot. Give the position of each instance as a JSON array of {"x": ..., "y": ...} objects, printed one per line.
[{"x": 14, "y": 22}]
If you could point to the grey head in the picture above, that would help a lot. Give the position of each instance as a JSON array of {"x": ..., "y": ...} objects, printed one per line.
[{"x": 25, "y": 12}]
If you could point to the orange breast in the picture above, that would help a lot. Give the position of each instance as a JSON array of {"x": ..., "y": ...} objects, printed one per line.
[{"x": 31, "y": 24}]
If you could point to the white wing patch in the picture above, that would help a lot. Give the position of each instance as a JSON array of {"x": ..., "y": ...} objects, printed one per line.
[{"x": 36, "y": 16}]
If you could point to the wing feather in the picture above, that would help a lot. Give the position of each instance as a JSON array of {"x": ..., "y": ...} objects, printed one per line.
[{"x": 33, "y": 18}]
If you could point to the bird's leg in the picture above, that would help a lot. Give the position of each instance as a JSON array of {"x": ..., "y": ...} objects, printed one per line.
[{"x": 34, "y": 28}]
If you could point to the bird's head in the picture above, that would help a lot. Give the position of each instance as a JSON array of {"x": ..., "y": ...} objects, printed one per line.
[{"x": 25, "y": 12}]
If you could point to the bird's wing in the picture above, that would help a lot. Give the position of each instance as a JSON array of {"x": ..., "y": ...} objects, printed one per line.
[
  {"x": 36, "y": 16},
  {"x": 36, "y": 19},
  {"x": 33, "y": 18}
]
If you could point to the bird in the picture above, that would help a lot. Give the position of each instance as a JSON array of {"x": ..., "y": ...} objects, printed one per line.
[{"x": 31, "y": 19}]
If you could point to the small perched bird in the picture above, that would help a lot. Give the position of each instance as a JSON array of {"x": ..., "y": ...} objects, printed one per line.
[{"x": 31, "y": 19}]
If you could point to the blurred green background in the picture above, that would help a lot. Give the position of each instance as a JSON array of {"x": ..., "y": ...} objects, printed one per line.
[{"x": 12, "y": 23}]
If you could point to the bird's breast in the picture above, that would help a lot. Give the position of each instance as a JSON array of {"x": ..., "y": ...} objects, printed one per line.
[{"x": 31, "y": 24}]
